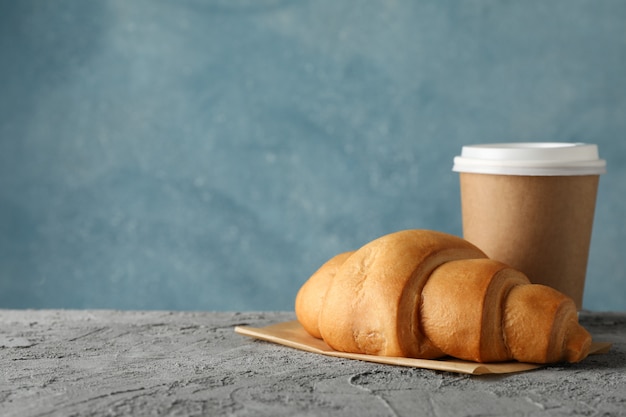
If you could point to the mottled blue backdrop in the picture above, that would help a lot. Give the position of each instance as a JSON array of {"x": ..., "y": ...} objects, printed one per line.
[{"x": 210, "y": 155}]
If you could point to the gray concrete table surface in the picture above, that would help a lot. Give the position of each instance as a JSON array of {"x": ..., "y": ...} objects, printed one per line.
[{"x": 114, "y": 363}]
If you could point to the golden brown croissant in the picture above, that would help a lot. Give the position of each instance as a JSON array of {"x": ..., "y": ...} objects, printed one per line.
[{"x": 426, "y": 294}]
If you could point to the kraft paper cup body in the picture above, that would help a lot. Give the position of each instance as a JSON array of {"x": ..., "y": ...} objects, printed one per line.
[{"x": 531, "y": 206}]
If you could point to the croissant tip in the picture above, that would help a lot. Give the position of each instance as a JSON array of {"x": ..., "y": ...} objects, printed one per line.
[{"x": 578, "y": 345}]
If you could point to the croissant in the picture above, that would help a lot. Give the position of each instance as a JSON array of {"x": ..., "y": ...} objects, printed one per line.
[{"x": 426, "y": 294}]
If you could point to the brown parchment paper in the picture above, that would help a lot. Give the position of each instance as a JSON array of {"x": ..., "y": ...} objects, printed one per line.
[{"x": 292, "y": 334}]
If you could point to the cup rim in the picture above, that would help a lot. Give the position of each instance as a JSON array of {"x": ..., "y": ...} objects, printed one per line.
[{"x": 531, "y": 158}]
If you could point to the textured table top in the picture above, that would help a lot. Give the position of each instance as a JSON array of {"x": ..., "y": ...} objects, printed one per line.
[{"x": 113, "y": 363}]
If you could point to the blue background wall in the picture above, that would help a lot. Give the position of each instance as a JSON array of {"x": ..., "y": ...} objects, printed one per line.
[{"x": 212, "y": 154}]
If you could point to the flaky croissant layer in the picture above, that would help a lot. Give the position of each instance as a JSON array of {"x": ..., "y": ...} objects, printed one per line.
[{"x": 427, "y": 294}]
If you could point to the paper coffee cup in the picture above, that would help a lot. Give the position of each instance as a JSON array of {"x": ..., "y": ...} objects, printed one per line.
[{"x": 531, "y": 206}]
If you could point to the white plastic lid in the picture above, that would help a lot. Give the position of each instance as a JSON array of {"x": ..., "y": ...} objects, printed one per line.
[{"x": 531, "y": 158}]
